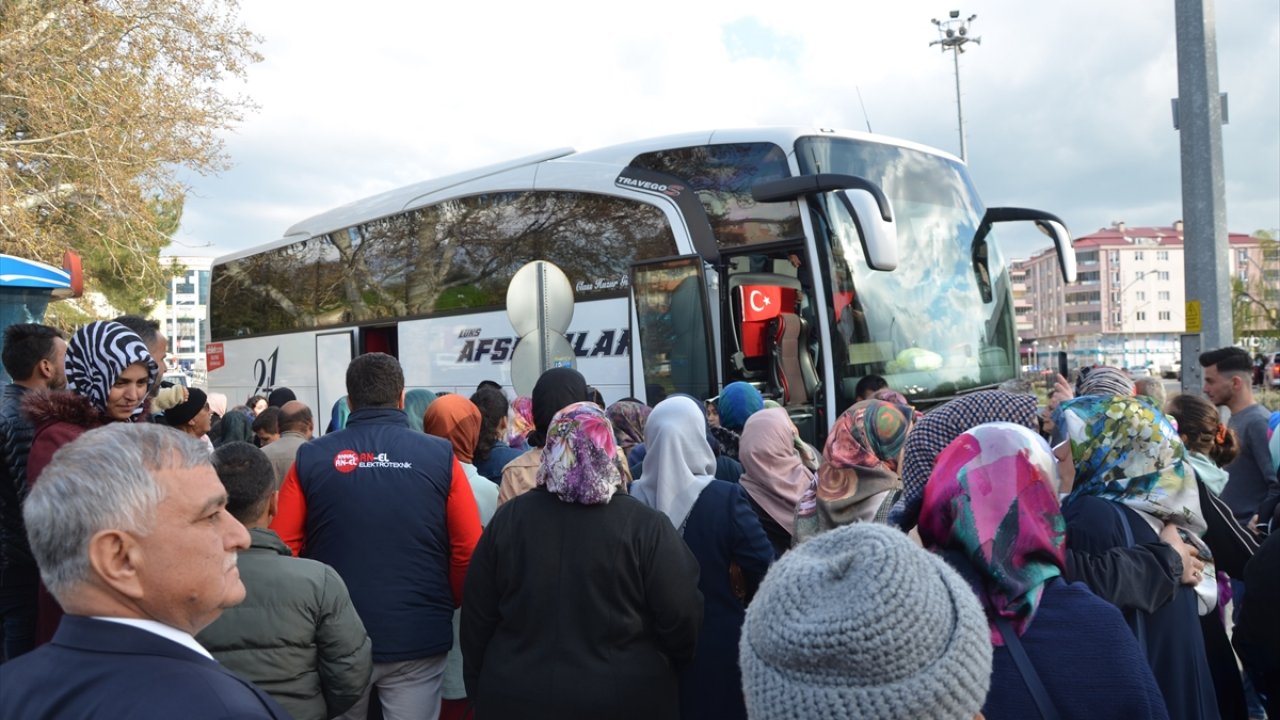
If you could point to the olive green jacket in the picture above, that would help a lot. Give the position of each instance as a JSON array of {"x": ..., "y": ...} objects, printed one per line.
[{"x": 296, "y": 635}]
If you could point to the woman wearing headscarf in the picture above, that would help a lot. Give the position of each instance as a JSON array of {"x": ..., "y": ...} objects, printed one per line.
[
  {"x": 1210, "y": 446},
  {"x": 338, "y": 415},
  {"x": 727, "y": 468},
  {"x": 858, "y": 479},
  {"x": 628, "y": 418},
  {"x": 737, "y": 402},
  {"x": 109, "y": 372},
  {"x": 773, "y": 474},
  {"x": 235, "y": 427},
  {"x": 556, "y": 388},
  {"x": 991, "y": 510},
  {"x": 1143, "y": 577},
  {"x": 492, "y": 451},
  {"x": 1130, "y": 478},
  {"x": 1107, "y": 381},
  {"x": 579, "y": 601},
  {"x": 520, "y": 423},
  {"x": 458, "y": 420},
  {"x": 416, "y": 402},
  {"x": 720, "y": 528}
]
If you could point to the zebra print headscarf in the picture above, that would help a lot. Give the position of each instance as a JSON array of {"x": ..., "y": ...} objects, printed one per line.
[{"x": 97, "y": 354}]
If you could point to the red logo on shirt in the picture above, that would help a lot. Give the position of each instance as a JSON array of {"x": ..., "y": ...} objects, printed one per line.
[{"x": 346, "y": 461}]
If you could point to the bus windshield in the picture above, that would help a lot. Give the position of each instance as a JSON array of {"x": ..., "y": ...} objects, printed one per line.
[{"x": 925, "y": 326}]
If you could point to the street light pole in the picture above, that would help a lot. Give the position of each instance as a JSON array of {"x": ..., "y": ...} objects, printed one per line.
[{"x": 954, "y": 35}]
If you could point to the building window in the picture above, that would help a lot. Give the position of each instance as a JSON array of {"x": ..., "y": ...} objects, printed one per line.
[
  {"x": 1088, "y": 256},
  {"x": 1163, "y": 294},
  {"x": 1242, "y": 256},
  {"x": 1163, "y": 275},
  {"x": 1165, "y": 315},
  {"x": 1243, "y": 274},
  {"x": 1115, "y": 297},
  {"x": 1115, "y": 318},
  {"x": 1142, "y": 295},
  {"x": 1162, "y": 254},
  {"x": 1088, "y": 277},
  {"x": 1115, "y": 277},
  {"x": 1140, "y": 316},
  {"x": 1115, "y": 256},
  {"x": 1138, "y": 255}
]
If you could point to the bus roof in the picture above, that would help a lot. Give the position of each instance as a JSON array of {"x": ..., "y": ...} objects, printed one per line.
[{"x": 618, "y": 156}]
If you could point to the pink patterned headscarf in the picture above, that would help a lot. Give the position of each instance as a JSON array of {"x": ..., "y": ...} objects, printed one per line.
[
  {"x": 992, "y": 498},
  {"x": 580, "y": 460},
  {"x": 519, "y": 421}
]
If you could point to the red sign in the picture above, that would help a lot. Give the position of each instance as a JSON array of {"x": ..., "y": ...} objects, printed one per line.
[
  {"x": 346, "y": 461},
  {"x": 213, "y": 357}
]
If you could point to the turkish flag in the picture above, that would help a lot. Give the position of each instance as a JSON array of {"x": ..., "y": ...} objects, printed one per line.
[{"x": 760, "y": 302}]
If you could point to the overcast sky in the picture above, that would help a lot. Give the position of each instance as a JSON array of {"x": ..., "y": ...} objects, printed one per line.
[{"x": 1066, "y": 103}]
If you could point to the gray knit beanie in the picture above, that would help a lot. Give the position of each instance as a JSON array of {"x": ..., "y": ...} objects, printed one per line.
[{"x": 859, "y": 622}]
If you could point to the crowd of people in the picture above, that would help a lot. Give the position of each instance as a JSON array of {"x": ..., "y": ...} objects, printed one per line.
[{"x": 1104, "y": 554}]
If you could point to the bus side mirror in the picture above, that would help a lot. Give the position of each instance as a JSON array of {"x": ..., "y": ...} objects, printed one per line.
[
  {"x": 1062, "y": 242},
  {"x": 1048, "y": 224},
  {"x": 876, "y": 227}
]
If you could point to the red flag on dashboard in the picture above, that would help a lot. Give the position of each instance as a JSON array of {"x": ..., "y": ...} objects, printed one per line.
[{"x": 760, "y": 302}]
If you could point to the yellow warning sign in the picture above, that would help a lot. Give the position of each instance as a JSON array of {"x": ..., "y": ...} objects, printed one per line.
[{"x": 1193, "y": 316}]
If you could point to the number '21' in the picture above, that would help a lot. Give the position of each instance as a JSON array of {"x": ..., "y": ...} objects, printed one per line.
[{"x": 266, "y": 371}]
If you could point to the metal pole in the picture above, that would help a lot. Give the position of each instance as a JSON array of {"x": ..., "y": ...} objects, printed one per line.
[
  {"x": 955, "y": 57},
  {"x": 1204, "y": 207}
]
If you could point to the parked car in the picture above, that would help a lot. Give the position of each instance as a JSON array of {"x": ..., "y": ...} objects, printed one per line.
[
  {"x": 1172, "y": 371},
  {"x": 1271, "y": 373},
  {"x": 1137, "y": 371}
]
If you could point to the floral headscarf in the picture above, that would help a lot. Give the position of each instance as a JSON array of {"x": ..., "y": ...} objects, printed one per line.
[
  {"x": 933, "y": 432},
  {"x": 628, "y": 418},
  {"x": 580, "y": 461},
  {"x": 738, "y": 402},
  {"x": 519, "y": 421},
  {"x": 97, "y": 354},
  {"x": 1127, "y": 451},
  {"x": 992, "y": 499},
  {"x": 859, "y": 469}
]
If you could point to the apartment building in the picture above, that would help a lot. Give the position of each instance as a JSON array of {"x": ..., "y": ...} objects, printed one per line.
[
  {"x": 184, "y": 316},
  {"x": 1127, "y": 306}
]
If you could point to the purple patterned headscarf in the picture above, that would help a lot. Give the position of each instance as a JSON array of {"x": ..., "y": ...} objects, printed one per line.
[
  {"x": 993, "y": 499},
  {"x": 933, "y": 432},
  {"x": 580, "y": 460},
  {"x": 628, "y": 418}
]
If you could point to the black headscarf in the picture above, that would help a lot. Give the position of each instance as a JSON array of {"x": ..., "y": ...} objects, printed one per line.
[
  {"x": 555, "y": 390},
  {"x": 280, "y": 396}
]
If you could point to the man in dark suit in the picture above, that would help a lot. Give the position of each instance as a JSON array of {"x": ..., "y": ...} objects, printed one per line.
[{"x": 129, "y": 527}]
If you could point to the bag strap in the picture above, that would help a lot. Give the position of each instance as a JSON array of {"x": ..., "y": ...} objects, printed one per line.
[
  {"x": 1027, "y": 670},
  {"x": 1139, "y": 617}
]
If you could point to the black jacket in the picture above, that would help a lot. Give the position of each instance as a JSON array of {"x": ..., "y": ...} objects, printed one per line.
[
  {"x": 576, "y": 611},
  {"x": 16, "y": 563}
]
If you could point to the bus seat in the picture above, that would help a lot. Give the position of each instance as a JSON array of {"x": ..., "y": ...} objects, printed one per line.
[{"x": 792, "y": 367}]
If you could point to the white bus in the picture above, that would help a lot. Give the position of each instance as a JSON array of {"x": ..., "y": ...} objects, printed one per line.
[{"x": 798, "y": 260}]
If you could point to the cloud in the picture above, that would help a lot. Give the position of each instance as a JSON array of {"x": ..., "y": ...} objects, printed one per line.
[{"x": 1066, "y": 105}]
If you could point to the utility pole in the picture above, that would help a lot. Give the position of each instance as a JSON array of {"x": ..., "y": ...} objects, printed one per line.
[
  {"x": 954, "y": 35},
  {"x": 1198, "y": 116}
]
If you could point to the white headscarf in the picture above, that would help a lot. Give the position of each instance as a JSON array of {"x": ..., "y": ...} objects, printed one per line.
[{"x": 678, "y": 462}]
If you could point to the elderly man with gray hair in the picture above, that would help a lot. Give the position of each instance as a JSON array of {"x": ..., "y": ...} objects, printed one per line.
[{"x": 129, "y": 527}]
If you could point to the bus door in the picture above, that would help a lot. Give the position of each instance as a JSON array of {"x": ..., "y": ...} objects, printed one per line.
[
  {"x": 334, "y": 352},
  {"x": 771, "y": 337},
  {"x": 381, "y": 338},
  {"x": 671, "y": 306}
]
